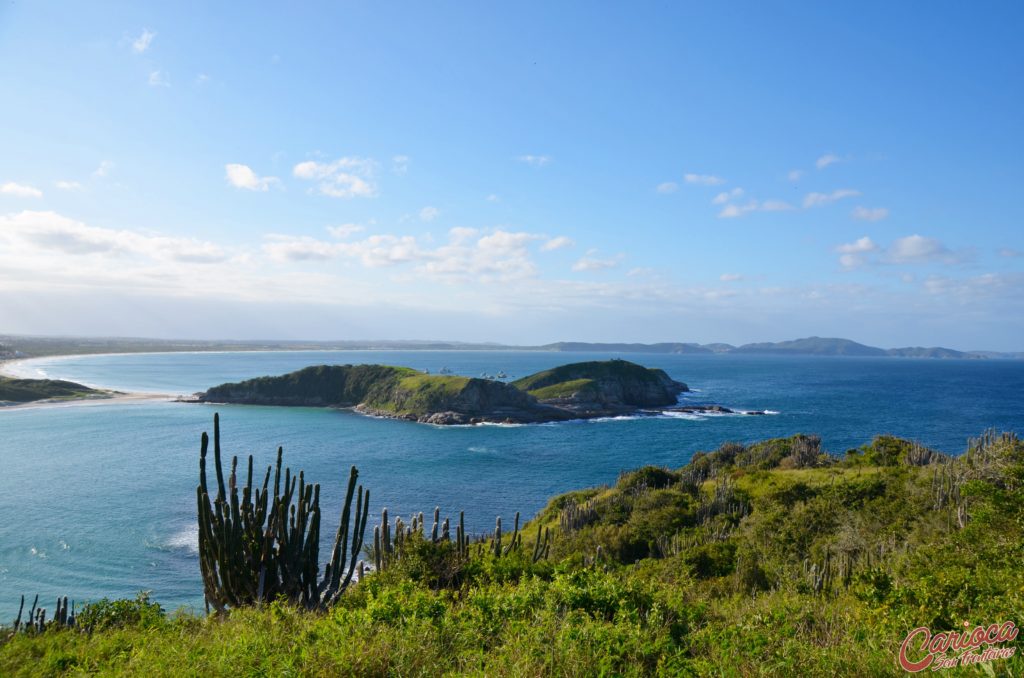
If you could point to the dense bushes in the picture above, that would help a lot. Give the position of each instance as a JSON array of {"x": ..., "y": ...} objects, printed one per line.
[{"x": 755, "y": 559}]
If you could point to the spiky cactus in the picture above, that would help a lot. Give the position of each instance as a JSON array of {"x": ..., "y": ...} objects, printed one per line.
[{"x": 260, "y": 546}]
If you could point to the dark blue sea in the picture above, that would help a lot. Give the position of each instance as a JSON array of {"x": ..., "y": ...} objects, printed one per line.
[{"x": 98, "y": 499}]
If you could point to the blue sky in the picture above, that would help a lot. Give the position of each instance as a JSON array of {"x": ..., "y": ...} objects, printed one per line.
[{"x": 516, "y": 173}]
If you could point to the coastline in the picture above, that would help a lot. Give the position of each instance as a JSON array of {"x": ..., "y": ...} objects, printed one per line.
[{"x": 108, "y": 396}]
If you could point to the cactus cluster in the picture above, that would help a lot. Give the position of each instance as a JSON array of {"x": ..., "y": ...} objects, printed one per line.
[
  {"x": 36, "y": 622},
  {"x": 388, "y": 542},
  {"x": 261, "y": 545},
  {"x": 575, "y": 516}
]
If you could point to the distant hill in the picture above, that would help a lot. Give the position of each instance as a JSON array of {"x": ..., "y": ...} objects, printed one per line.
[
  {"x": 813, "y": 346},
  {"x": 583, "y": 347},
  {"x": 933, "y": 352}
]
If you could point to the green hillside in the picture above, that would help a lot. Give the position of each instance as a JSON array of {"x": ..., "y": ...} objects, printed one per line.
[
  {"x": 30, "y": 390},
  {"x": 770, "y": 558}
]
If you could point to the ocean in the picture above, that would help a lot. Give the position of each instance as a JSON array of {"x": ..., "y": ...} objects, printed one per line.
[{"x": 98, "y": 499}]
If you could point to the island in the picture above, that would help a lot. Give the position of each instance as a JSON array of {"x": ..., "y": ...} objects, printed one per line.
[
  {"x": 15, "y": 391},
  {"x": 584, "y": 390}
]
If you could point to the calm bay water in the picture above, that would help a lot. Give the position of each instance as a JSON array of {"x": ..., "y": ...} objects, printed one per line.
[{"x": 98, "y": 499}]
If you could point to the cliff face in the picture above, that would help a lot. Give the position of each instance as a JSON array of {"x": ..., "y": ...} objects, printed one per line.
[{"x": 572, "y": 391}]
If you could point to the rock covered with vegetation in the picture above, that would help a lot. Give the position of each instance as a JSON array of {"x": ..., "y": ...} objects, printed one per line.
[
  {"x": 580, "y": 390},
  {"x": 14, "y": 391}
]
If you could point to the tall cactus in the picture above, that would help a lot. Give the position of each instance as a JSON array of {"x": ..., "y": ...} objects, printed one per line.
[{"x": 260, "y": 546}]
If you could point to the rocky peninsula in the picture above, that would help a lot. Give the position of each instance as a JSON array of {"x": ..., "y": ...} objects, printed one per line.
[{"x": 578, "y": 391}]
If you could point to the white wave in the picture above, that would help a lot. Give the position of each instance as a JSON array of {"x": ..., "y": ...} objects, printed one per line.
[
  {"x": 480, "y": 449},
  {"x": 188, "y": 538},
  {"x": 682, "y": 415},
  {"x": 37, "y": 553}
]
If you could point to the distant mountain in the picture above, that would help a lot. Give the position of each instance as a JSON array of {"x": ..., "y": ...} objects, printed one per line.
[
  {"x": 813, "y": 346},
  {"x": 585, "y": 347},
  {"x": 719, "y": 347},
  {"x": 933, "y": 352}
]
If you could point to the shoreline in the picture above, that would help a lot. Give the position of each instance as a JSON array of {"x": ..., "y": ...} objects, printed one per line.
[{"x": 113, "y": 398}]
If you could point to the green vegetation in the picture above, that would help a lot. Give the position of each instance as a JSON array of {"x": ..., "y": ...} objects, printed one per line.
[
  {"x": 764, "y": 559},
  {"x": 30, "y": 390},
  {"x": 565, "y": 389},
  {"x": 617, "y": 372},
  {"x": 581, "y": 389}
]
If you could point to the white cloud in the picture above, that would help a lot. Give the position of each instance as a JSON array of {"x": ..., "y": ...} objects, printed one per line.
[
  {"x": 667, "y": 187},
  {"x": 345, "y": 230},
  {"x": 284, "y": 248},
  {"x": 854, "y": 255},
  {"x": 912, "y": 249},
  {"x": 158, "y": 79},
  {"x": 348, "y": 177},
  {"x": 20, "y": 190},
  {"x": 703, "y": 179},
  {"x": 557, "y": 243},
  {"x": 33, "y": 233},
  {"x": 916, "y": 249},
  {"x": 142, "y": 43},
  {"x": 826, "y": 160},
  {"x": 726, "y": 196},
  {"x": 400, "y": 164},
  {"x": 242, "y": 176},
  {"x": 733, "y": 210},
  {"x": 820, "y": 199},
  {"x": 68, "y": 185},
  {"x": 730, "y": 277},
  {"x": 1010, "y": 253},
  {"x": 535, "y": 160},
  {"x": 589, "y": 262},
  {"x": 869, "y": 213},
  {"x": 795, "y": 175},
  {"x": 775, "y": 206},
  {"x": 103, "y": 169},
  {"x": 202, "y": 79},
  {"x": 429, "y": 213}
]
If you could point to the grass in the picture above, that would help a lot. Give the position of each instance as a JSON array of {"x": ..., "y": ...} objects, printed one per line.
[
  {"x": 709, "y": 569},
  {"x": 565, "y": 389}
]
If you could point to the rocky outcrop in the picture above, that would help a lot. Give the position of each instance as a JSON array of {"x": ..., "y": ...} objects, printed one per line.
[{"x": 581, "y": 390}]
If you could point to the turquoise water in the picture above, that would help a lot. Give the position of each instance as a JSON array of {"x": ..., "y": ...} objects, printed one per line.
[{"x": 98, "y": 499}]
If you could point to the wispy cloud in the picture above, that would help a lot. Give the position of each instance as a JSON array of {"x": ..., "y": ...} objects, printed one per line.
[
  {"x": 854, "y": 255},
  {"x": 400, "y": 164},
  {"x": 869, "y": 213},
  {"x": 590, "y": 262},
  {"x": 242, "y": 176},
  {"x": 429, "y": 213},
  {"x": 826, "y": 160},
  {"x": 20, "y": 190},
  {"x": 703, "y": 179},
  {"x": 34, "y": 233},
  {"x": 820, "y": 199},
  {"x": 557, "y": 243},
  {"x": 726, "y": 196},
  {"x": 1010, "y": 253},
  {"x": 734, "y": 210},
  {"x": 103, "y": 169},
  {"x": 535, "y": 160},
  {"x": 345, "y": 230},
  {"x": 912, "y": 249},
  {"x": 493, "y": 197},
  {"x": 68, "y": 185},
  {"x": 143, "y": 41},
  {"x": 730, "y": 277},
  {"x": 348, "y": 177},
  {"x": 158, "y": 79},
  {"x": 667, "y": 187},
  {"x": 795, "y": 175}
]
